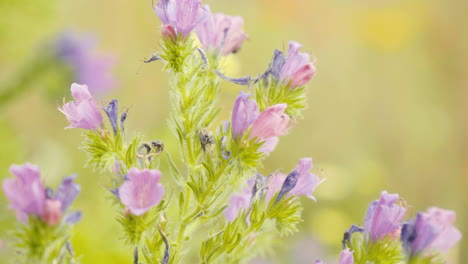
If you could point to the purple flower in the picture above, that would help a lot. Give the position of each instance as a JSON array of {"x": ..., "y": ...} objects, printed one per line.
[
  {"x": 346, "y": 257},
  {"x": 240, "y": 201},
  {"x": 383, "y": 216},
  {"x": 89, "y": 67},
  {"x": 221, "y": 33},
  {"x": 296, "y": 69},
  {"x": 244, "y": 114},
  {"x": 26, "y": 192},
  {"x": 141, "y": 190},
  {"x": 431, "y": 231},
  {"x": 181, "y": 15},
  {"x": 83, "y": 112},
  {"x": 299, "y": 182}
]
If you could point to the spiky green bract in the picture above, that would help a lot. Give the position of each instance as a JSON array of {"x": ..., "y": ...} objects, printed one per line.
[
  {"x": 383, "y": 251},
  {"x": 269, "y": 93},
  {"x": 135, "y": 226},
  {"x": 105, "y": 148},
  {"x": 39, "y": 243},
  {"x": 176, "y": 53},
  {"x": 244, "y": 237},
  {"x": 287, "y": 213},
  {"x": 435, "y": 258}
]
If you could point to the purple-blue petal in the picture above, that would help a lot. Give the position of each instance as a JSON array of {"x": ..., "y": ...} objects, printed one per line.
[{"x": 67, "y": 191}]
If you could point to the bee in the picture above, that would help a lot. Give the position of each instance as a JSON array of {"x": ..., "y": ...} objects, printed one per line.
[{"x": 148, "y": 150}]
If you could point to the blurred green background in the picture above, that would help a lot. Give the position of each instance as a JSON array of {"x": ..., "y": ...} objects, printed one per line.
[{"x": 388, "y": 108}]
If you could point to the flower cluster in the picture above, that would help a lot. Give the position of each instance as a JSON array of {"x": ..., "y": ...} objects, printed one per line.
[{"x": 385, "y": 234}]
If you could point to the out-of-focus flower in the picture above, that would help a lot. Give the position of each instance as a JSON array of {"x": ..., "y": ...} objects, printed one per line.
[
  {"x": 346, "y": 257},
  {"x": 83, "y": 112},
  {"x": 181, "y": 15},
  {"x": 141, "y": 190},
  {"x": 383, "y": 216},
  {"x": 299, "y": 182},
  {"x": 244, "y": 114},
  {"x": 26, "y": 192},
  {"x": 89, "y": 67},
  {"x": 295, "y": 69},
  {"x": 28, "y": 197},
  {"x": 240, "y": 201},
  {"x": 220, "y": 32},
  {"x": 431, "y": 231}
]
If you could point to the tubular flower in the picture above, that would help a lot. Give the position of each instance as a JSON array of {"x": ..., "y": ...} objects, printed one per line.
[
  {"x": 299, "y": 182},
  {"x": 295, "y": 69},
  {"x": 28, "y": 197},
  {"x": 141, "y": 190},
  {"x": 83, "y": 112},
  {"x": 273, "y": 122},
  {"x": 383, "y": 216},
  {"x": 89, "y": 67},
  {"x": 221, "y": 33},
  {"x": 432, "y": 230},
  {"x": 244, "y": 114},
  {"x": 181, "y": 15}
]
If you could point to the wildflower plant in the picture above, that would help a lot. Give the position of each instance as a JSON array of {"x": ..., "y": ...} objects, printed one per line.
[{"x": 214, "y": 205}]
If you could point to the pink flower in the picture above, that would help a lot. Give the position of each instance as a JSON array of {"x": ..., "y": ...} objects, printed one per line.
[
  {"x": 383, "y": 216},
  {"x": 52, "y": 212},
  {"x": 219, "y": 31},
  {"x": 83, "y": 112},
  {"x": 295, "y": 69},
  {"x": 141, "y": 191},
  {"x": 25, "y": 192},
  {"x": 240, "y": 201},
  {"x": 346, "y": 257},
  {"x": 299, "y": 182},
  {"x": 182, "y": 15},
  {"x": 244, "y": 114},
  {"x": 272, "y": 122},
  {"x": 298, "y": 69}
]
